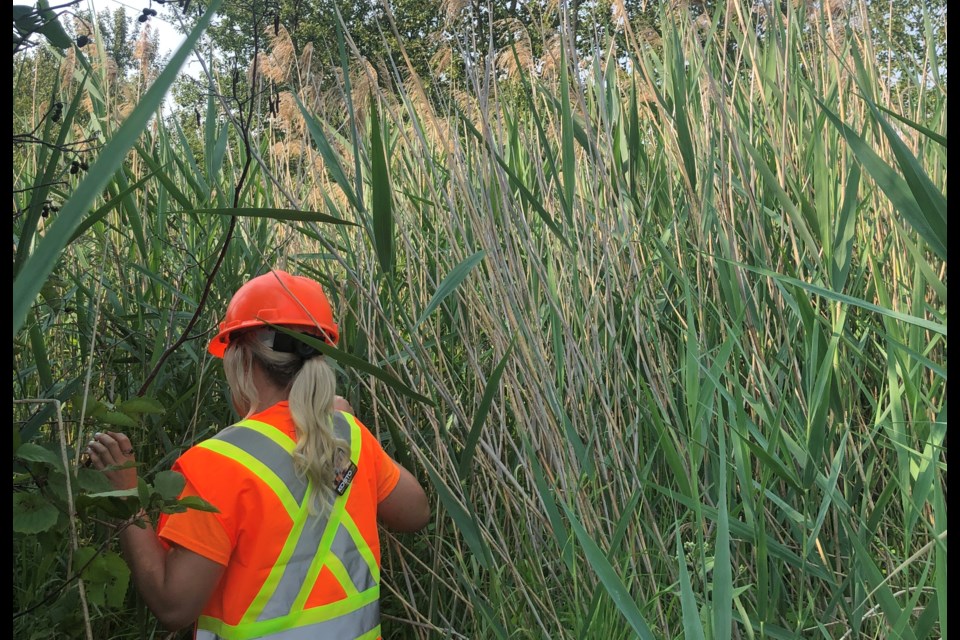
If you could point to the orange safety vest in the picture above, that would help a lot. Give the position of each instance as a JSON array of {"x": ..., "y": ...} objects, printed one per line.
[{"x": 322, "y": 580}]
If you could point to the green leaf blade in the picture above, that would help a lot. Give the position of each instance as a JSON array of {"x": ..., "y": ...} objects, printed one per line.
[{"x": 42, "y": 261}]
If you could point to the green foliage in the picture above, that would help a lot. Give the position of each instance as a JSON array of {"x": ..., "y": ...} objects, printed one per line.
[
  {"x": 28, "y": 20},
  {"x": 42, "y": 260},
  {"x": 105, "y": 576},
  {"x": 32, "y": 514},
  {"x": 58, "y": 511}
]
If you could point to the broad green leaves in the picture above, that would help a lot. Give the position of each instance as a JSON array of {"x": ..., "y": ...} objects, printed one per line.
[
  {"x": 105, "y": 575},
  {"x": 125, "y": 414},
  {"x": 32, "y": 513}
]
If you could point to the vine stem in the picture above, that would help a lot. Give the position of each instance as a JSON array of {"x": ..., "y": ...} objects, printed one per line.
[
  {"x": 196, "y": 314},
  {"x": 243, "y": 126}
]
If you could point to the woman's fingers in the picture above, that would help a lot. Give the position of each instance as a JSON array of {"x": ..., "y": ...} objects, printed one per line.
[
  {"x": 111, "y": 445},
  {"x": 126, "y": 448},
  {"x": 113, "y": 449}
]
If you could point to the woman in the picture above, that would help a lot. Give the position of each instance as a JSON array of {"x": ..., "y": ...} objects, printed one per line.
[{"x": 293, "y": 552}]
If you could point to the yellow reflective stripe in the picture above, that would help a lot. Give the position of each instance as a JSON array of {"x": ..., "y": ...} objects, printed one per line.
[
  {"x": 276, "y": 571},
  {"x": 336, "y": 514},
  {"x": 355, "y": 438},
  {"x": 334, "y": 609},
  {"x": 362, "y": 546},
  {"x": 283, "y": 441},
  {"x": 261, "y": 470},
  {"x": 296, "y": 619},
  {"x": 213, "y": 625},
  {"x": 373, "y": 634},
  {"x": 340, "y": 572}
]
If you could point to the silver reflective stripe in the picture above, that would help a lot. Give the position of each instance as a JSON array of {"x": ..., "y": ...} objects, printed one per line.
[
  {"x": 295, "y": 571},
  {"x": 269, "y": 453},
  {"x": 346, "y": 627},
  {"x": 308, "y": 543},
  {"x": 341, "y": 427},
  {"x": 345, "y": 548},
  {"x": 296, "y": 568}
]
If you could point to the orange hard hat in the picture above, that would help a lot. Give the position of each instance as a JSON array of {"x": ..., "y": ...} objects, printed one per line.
[{"x": 277, "y": 298}]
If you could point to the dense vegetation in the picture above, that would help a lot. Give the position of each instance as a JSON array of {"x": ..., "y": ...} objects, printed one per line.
[{"x": 657, "y": 311}]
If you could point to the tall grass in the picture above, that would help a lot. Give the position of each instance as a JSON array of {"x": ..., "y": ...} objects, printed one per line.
[{"x": 682, "y": 327}]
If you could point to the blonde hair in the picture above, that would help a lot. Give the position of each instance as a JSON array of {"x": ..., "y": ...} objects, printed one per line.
[{"x": 311, "y": 387}]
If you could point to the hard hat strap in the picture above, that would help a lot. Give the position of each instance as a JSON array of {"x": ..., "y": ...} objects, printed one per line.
[{"x": 286, "y": 343}]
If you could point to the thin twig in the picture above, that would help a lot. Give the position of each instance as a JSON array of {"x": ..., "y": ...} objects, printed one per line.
[
  {"x": 45, "y": 184},
  {"x": 196, "y": 315},
  {"x": 294, "y": 202},
  {"x": 244, "y": 129}
]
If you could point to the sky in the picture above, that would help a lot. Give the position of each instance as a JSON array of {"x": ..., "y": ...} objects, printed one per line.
[{"x": 170, "y": 39}]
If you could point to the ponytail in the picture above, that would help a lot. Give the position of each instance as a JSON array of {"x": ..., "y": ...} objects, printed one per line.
[
  {"x": 311, "y": 405},
  {"x": 312, "y": 388}
]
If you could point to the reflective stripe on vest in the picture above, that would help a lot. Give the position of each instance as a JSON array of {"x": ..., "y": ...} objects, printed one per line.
[
  {"x": 278, "y": 611},
  {"x": 361, "y": 624}
]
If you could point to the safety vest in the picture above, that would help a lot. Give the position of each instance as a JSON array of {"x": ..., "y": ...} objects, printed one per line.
[{"x": 279, "y": 611}]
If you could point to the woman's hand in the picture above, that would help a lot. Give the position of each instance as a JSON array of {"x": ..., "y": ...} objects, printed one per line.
[
  {"x": 113, "y": 449},
  {"x": 340, "y": 404}
]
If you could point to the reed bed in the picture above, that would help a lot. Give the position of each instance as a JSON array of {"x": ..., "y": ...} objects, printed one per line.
[{"x": 663, "y": 331}]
